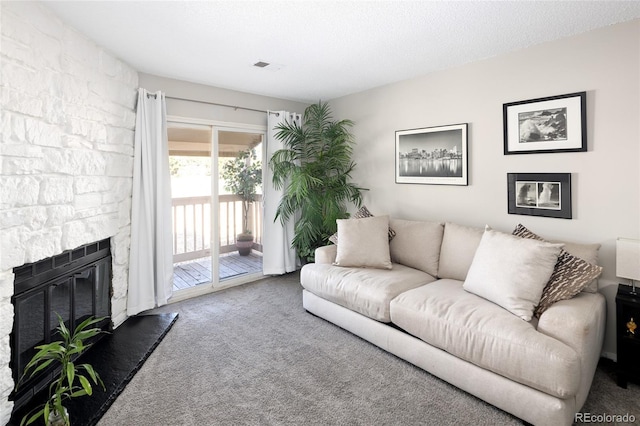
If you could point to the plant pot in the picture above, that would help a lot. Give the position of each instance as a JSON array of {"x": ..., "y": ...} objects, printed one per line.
[
  {"x": 55, "y": 419},
  {"x": 244, "y": 244}
]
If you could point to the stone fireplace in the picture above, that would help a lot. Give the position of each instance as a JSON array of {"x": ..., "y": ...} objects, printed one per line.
[{"x": 66, "y": 163}]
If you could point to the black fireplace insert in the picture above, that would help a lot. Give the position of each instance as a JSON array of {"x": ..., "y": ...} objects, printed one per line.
[{"x": 75, "y": 285}]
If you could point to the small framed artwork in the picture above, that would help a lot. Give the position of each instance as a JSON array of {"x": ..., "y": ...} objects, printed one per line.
[
  {"x": 432, "y": 155},
  {"x": 553, "y": 124},
  {"x": 540, "y": 194}
]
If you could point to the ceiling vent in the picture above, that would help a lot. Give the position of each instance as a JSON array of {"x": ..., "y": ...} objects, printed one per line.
[{"x": 269, "y": 66}]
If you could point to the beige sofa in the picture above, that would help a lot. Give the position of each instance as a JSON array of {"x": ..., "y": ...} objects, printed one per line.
[{"x": 422, "y": 310}]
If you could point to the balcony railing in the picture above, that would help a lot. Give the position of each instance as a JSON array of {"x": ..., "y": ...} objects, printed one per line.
[{"x": 192, "y": 225}]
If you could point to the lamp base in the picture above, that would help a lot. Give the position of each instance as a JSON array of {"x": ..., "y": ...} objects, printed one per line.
[{"x": 630, "y": 289}]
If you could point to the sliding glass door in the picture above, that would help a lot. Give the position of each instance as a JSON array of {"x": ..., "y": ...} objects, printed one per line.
[
  {"x": 205, "y": 208},
  {"x": 191, "y": 184},
  {"x": 239, "y": 163}
]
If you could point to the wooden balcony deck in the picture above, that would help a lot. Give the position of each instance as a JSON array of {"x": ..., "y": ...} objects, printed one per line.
[{"x": 198, "y": 271}]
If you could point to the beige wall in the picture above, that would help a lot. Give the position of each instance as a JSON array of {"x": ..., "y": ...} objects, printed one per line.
[
  {"x": 605, "y": 180},
  {"x": 183, "y": 89}
]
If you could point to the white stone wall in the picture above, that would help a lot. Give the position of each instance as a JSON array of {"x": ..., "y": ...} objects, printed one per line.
[{"x": 66, "y": 153}]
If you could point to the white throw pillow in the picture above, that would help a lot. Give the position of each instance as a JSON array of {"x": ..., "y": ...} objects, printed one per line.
[
  {"x": 511, "y": 271},
  {"x": 360, "y": 214},
  {"x": 364, "y": 243}
]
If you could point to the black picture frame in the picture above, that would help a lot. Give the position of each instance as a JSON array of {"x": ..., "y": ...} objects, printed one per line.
[
  {"x": 546, "y": 125},
  {"x": 433, "y": 155},
  {"x": 540, "y": 194}
]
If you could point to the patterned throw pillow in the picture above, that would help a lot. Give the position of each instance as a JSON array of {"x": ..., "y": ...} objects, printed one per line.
[
  {"x": 570, "y": 275},
  {"x": 361, "y": 214}
]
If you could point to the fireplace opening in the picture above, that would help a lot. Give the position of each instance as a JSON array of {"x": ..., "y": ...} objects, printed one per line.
[{"x": 75, "y": 285}]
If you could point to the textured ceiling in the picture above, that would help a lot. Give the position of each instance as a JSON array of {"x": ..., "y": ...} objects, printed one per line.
[{"x": 324, "y": 49}]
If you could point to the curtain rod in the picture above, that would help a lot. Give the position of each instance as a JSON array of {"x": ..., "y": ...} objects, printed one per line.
[{"x": 214, "y": 103}]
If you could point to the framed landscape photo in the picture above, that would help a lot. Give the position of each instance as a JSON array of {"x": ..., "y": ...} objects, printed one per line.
[
  {"x": 540, "y": 194},
  {"x": 553, "y": 124},
  {"x": 432, "y": 155}
]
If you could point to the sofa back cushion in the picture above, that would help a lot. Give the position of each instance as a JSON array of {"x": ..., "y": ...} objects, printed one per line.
[
  {"x": 459, "y": 245},
  {"x": 417, "y": 244}
]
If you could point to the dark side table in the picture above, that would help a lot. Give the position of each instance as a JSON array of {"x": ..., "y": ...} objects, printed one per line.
[{"x": 628, "y": 334}]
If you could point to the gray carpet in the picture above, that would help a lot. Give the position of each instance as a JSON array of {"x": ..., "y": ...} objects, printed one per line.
[{"x": 251, "y": 355}]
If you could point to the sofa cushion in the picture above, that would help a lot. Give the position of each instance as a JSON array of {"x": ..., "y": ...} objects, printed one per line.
[
  {"x": 511, "y": 271},
  {"x": 364, "y": 242},
  {"x": 570, "y": 276},
  {"x": 471, "y": 328},
  {"x": 360, "y": 214},
  {"x": 459, "y": 245},
  {"x": 366, "y": 291},
  {"x": 417, "y": 244}
]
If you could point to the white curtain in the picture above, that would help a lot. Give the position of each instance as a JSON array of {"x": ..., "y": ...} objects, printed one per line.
[
  {"x": 278, "y": 257},
  {"x": 151, "y": 256}
]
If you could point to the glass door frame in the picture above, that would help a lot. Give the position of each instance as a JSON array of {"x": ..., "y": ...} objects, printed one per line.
[{"x": 215, "y": 284}]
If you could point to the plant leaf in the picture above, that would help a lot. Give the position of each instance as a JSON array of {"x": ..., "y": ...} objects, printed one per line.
[
  {"x": 33, "y": 417},
  {"x": 71, "y": 371},
  {"x": 85, "y": 384},
  {"x": 45, "y": 412}
]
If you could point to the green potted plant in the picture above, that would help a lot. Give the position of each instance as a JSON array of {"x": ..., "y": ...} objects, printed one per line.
[
  {"x": 242, "y": 176},
  {"x": 314, "y": 168},
  {"x": 73, "y": 380}
]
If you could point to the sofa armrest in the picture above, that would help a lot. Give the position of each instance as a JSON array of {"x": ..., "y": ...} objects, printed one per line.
[
  {"x": 580, "y": 323},
  {"x": 326, "y": 254}
]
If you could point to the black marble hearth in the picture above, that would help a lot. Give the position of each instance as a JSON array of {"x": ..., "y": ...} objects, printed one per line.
[{"x": 117, "y": 357}]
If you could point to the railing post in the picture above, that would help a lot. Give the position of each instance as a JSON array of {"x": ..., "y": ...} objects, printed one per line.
[{"x": 250, "y": 219}]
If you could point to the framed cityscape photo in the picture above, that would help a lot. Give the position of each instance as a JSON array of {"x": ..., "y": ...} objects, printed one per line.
[
  {"x": 432, "y": 155},
  {"x": 553, "y": 124},
  {"x": 540, "y": 194}
]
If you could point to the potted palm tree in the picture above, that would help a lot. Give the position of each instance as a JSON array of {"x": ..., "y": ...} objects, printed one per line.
[
  {"x": 242, "y": 176},
  {"x": 73, "y": 380},
  {"x": 314, "y": 168}
]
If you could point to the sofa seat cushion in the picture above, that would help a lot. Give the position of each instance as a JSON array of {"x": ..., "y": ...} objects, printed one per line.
[
  {"x": 478, "y": 331},
  {"x": 363, "y": 290}
]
